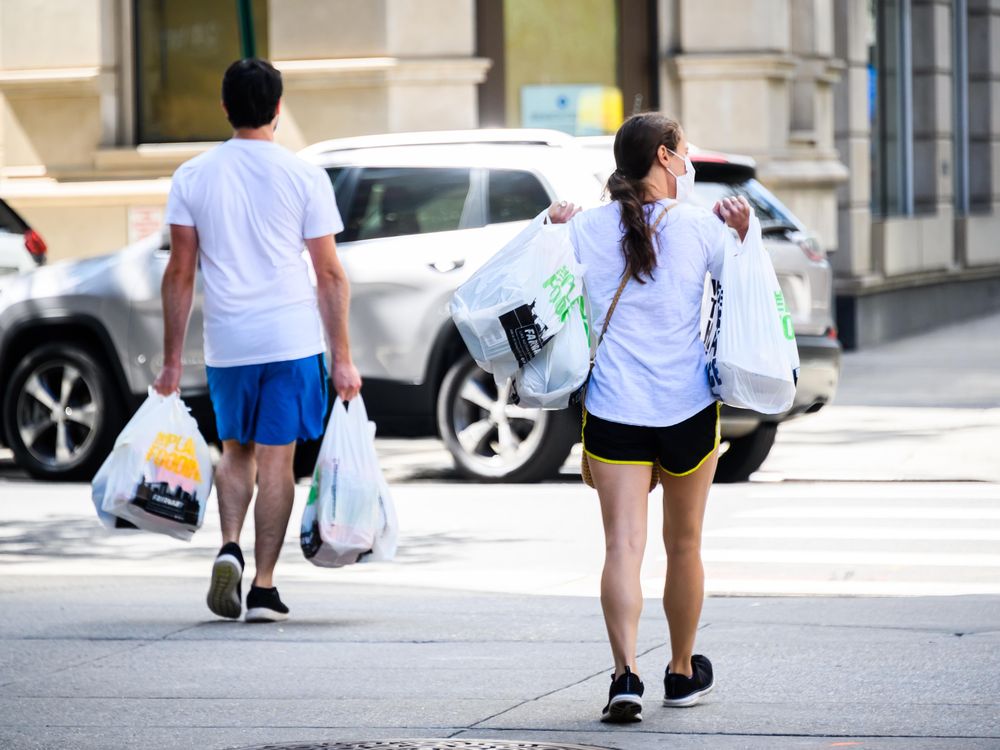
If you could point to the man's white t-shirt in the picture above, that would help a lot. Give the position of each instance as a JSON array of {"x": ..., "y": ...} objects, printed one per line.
[
  {"x": 650, "y": 369},
  {"x": 254, "y": 203}
]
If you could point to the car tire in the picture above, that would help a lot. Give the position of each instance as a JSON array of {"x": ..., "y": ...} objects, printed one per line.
[
  {"x": 535, "y": 445},
  {"x": 746, "y": 454},
  {"x": 62, "y": 413}
]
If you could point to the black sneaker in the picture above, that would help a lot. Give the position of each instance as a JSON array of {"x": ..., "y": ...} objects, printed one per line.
[
  {"x": 225, "y": 593},
  {"x": 684, "y": 691},
  {"x": 624, "y": 699},
  {"x": 264, "y": 605}
]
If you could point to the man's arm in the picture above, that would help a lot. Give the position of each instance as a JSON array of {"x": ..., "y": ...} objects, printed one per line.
[
  {"x": 334, "y": 294},
  {"x": 177, "y": 291}
]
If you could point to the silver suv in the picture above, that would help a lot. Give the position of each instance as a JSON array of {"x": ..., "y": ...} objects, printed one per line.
[{"x": 80, "y": 342}]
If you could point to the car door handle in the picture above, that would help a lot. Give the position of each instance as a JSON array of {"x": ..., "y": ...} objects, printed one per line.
[{"x": 446, "y": 266}]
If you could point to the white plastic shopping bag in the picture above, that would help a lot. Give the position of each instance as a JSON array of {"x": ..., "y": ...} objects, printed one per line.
[
  {"x": 753, "y": 359},
  {"x": 550, "y": 380},
  {"x": 519, "y": 299},
  {"x": 159, "y": 473},
  {"x": 349, "y": 516}
]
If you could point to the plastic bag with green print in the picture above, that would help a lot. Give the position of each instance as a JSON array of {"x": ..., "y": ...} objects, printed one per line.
[
  {"x": 752, "y": 356},
  {"x": 349, "y": 516},
  {"x": 553, "y": 378},
  {"x": 509, "y": 310}
]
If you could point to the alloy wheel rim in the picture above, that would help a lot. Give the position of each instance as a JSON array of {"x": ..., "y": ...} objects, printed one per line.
[
  {"x": 57, "y": 412},
  {"x": 495, "y": 436}
]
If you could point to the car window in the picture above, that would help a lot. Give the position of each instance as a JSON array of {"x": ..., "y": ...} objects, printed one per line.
[
  {"x": 515, "y": 196},
  {"x": 338, "y": 176},
  {"x": 770, "y": 211},
  {"x": 10, "y": 221},
  {"x": 390, "y": 202}
]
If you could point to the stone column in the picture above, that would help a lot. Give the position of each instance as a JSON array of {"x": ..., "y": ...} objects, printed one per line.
[
  {"x": 853, "y": 258},
  {"x": 58, "y": 85},
  {"x": 750, "y": 85},
  {"x": 982, "y": 226},
  {"x": 369, "y": 66}
]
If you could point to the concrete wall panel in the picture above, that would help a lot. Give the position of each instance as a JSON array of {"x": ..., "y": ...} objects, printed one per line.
[
  {"x": 38, "y": 34},
  {"x": 727, "y": 25},
  {"x": 311, "y": 30}
]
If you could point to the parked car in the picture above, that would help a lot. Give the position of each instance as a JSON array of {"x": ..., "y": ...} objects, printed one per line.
[
  {"x": 80, "y": 342},
  {"x": 21, "y": 247}
]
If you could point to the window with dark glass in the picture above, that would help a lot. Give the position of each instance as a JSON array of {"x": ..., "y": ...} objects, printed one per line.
[
  {"x": 890, "y": 69},
  {"x": 182, "y": 49},
  {"x": 391, "y": 202},
  {"x": 982, "y": 92},
  {"x": 515, "y": 196}
]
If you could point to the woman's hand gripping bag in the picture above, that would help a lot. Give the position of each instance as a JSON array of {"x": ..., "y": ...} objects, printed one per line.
[
  {"x": 505, "y": 312},
  {"x": 349, "y": 516},
  {"x": 752, "y": 356},
  {"x": 159, "y": 473}
]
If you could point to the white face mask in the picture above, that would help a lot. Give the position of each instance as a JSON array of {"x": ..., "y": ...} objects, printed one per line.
[{"x": 685, "y": 182}]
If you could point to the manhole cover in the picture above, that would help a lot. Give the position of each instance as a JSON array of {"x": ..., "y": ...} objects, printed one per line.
[{"x": 424, "y": 745}]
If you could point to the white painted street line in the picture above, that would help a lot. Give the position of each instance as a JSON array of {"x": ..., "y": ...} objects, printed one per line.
[
  {"x": 835, "y": 557},
  {"x": 887, "y": 512},
  {"x": 856, "y": 532},
  {"x": 765, "y": 587}
]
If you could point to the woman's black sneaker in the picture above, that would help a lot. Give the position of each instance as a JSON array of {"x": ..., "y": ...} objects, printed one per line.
[
  {"x": 264, "y": 605},
  {"x": 225, "y": 592},
  {"x": 684, "y": 691},
  {"x": 624, "y": 699}
]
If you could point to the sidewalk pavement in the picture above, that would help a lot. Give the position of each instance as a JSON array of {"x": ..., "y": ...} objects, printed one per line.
[
  {"x": 129, "y": 658},
  {"x": 136, "y": 662}
]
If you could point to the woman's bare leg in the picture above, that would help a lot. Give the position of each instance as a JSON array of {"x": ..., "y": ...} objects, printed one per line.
[
  {"x": 684, "y": 501},
  {"x": 624, "y": 493}
]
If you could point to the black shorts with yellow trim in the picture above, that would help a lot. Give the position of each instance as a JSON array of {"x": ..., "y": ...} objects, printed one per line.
[{"x": 679, "y": 450}]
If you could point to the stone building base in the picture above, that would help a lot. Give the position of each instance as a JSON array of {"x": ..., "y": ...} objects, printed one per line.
[{"x": 868, "y": 318}]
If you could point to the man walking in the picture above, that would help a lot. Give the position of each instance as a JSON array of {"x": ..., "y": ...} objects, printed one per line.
[{"x": 244, "y": 210}]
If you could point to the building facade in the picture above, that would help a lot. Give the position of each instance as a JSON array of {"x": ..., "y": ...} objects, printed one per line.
[{"x": 876, "y": 121}]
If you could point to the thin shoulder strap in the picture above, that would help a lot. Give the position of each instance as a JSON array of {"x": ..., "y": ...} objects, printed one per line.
[{"x": 621, "y": 287}]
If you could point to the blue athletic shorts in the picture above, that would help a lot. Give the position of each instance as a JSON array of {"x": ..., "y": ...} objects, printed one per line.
[{"x": 275, "y": 403}]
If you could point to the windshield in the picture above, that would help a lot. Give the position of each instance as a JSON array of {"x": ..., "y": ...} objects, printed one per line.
[{"x": 771, "y": 212}]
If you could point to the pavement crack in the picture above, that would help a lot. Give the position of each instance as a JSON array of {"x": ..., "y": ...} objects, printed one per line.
[
  {"x": 84, "y": 662},
  {"x": 138, "y": 643},
  {"x": 834, "y": 626},
  {"x": 556, "y": 690},
  {"x": 793, "y": 735}
]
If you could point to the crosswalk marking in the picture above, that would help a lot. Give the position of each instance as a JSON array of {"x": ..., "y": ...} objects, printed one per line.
[
  {"x": 900, "y": 539},
  {"x": 812, "y": 587},
  {"x": 851, "y": 557},
  {"x": 857, "y": 532},
  {"x": 887, "y": 513}
]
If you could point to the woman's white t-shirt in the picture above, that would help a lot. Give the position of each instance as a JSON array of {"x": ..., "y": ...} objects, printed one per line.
[
  {"x": 254, "y": 203},
  {"x": 650, "y": 368}
]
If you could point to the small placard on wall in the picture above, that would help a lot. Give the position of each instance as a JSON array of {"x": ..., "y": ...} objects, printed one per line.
[
  {"x": 144, "y": 221},
  {"x": 574, "y": 109}
]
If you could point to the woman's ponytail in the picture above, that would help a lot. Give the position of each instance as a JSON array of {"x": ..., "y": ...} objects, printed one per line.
[
  {"x": 637, "y": 241},
  {"x": 636, "y": 145}
]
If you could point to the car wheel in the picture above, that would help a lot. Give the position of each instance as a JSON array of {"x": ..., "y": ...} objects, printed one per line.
[
  {"x": 746, "y": 454},
  {"x": 493, "y": 440},
  {"x": 61, "y": 413}
]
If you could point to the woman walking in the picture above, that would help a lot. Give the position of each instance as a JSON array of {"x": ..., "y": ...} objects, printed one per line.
[{"x": 649, "y": 413}]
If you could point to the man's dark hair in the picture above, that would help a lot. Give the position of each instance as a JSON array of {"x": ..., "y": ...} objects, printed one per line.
[{"x": 251, "y": 89}]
